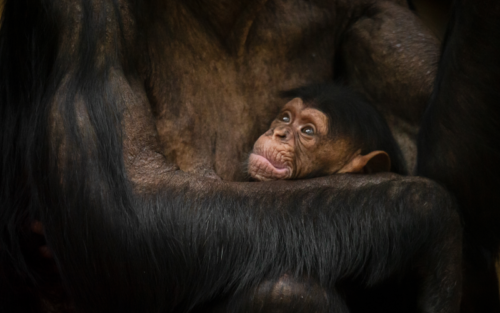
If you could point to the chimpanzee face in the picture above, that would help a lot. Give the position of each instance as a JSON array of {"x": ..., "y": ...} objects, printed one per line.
[{"x": 297, "y": 145}]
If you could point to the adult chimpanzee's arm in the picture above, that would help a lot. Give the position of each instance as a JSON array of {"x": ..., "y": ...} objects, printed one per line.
[
  {"x": 391, "y": 57},
  {"x": 459, "y": 144},
  {"x": 129, "y": 233}
]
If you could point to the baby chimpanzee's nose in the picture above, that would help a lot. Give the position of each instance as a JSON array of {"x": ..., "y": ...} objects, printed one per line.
[{"x": 281, "y": 133}]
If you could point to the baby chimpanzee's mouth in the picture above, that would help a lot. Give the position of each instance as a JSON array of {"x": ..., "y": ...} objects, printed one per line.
[{"x": 262, "y": 169}]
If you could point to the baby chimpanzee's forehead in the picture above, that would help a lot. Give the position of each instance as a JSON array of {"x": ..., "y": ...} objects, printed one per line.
[
  {"x": 298, "y": 105},
  {"x": 295, "y": 104}
]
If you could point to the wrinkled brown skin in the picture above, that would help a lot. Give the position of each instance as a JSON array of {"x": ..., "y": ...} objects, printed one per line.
[
  {"x": 210, "y": 87},
  {"x": 211, "y": 96},
  {"x": 298, "y": 145}
]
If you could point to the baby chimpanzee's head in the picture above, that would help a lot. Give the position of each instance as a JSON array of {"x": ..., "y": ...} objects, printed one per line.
[{"x": 325, "y": 129}]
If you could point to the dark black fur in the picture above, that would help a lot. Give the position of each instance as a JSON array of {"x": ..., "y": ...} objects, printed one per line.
[
  {"x": 351, "y": 116},
  {"x": 459, "y": 144},
  {"x": 187, "y": 247},
  {"x": 411, "y": 5}
]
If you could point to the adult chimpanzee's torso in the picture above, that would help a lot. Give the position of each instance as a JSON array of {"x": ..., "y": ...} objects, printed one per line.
[{"x": 215, "y": 79}]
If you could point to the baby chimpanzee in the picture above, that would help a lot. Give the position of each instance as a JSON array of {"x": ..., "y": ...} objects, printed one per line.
[{"x": 325, "y": 129}]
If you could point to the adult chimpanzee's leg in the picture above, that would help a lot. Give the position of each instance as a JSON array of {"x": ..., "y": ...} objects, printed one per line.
[
  {"x": 459, "y": 144},
  {"x": 391, "y": 57}
]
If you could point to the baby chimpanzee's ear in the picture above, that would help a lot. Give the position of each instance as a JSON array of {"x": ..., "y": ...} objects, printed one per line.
[{"x": 373, "y": 162}]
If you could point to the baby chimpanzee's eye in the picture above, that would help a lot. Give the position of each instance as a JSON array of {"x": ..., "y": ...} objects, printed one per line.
[
  {"x": 308, "y": 130},
  {"x": 285, "y": 118}
]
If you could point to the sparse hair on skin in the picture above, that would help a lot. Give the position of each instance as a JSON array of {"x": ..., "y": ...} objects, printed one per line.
[{"x": 351, "y": 116}]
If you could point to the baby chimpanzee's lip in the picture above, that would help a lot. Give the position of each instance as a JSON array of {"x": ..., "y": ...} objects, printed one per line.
[{"x": 262, "y": 169}]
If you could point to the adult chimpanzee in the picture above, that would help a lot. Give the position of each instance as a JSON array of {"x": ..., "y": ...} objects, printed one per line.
[
  {"x": 102, "y": 100},
  {"x": 324, "y": 129}
]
